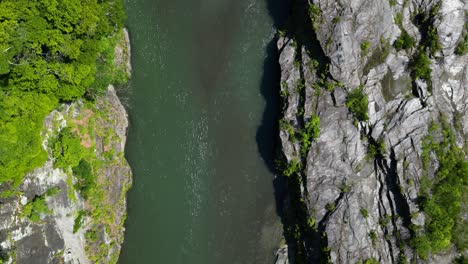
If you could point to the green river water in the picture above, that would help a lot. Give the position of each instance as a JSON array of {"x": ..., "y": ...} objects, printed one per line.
[{"x": 202, "y": 111}]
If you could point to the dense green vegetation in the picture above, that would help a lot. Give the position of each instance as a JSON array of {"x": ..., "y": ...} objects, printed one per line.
[
  {"x": 66, "y": 149},
  {"x": 78, "y": 221},
  {"x": 86, "y": 181},
  {"x": 421, "y": 67},
  {"x": 425, "y": 22},
  {"x": 441, "y": 197},
  {"x": 314, "y": 14},
  {"x": 50, "y": 51},
  {"x": 357, "y": 104},
  {"x": 376, "y": 148},
  {"x": 311, "y": 132},
  {"x": 35, "y": 208},
  {"x": 404, "y": 41}
]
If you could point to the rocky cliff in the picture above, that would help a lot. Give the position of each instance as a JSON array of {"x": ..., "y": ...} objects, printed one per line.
[
  {"x": 374, "y": 131},
  {"x": 73, "y": 214}
]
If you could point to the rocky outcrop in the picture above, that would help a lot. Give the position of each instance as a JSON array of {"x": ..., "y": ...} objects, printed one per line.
[
  {"x": 47, "y": 219},
  {"x": 353, "y": 205}
]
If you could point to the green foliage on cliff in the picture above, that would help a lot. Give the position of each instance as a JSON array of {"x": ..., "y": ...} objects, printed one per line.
[
  {"x": 86, "y": 182},
  {"x": 404, "y": 41},
  {"x": 365, "y": 46},
  {"x": 421, "y": 66},
  {"x": 292, "y": 168},
  {"x": 310, "y": 133},
  {"x": 78, "y": 221},
  {"x": 364, "y": 212},
  {"x": 66, "y": 149},
  {"x": 462, "y": 47},
  {"x": 441, "y": 198},
  {"x": 35, "y": 208},
  {"x": 357, "y": 103},
  {"x": 50, "y": 51},
  {"x": 21, "y": 117},
  {"x": 314, "y": 14}
]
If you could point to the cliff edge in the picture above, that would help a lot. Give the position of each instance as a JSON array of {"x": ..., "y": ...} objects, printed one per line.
[{"x": 72, "y": 209}]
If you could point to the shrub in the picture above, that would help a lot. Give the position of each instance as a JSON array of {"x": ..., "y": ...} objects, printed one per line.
[
  {"x": 314, "y": 14},
  {"x": 371, "y": 261},
  {"x": 462, "y": 47},
  {"x": 373, "y": 236},
  {"x": 357, "y": 103},
  {"x": 310, "y": 133},
  {"x": 52, "y": 191},
  {"x": 364, "y": 212},
  {"x": 292, "y": 167},
  {"x": 432, "y": 40},
  {"x": 421, "y": 66},
  {"x": 35, "y": 208},
  {"x": 330, "y": 207},
  {"x": 78, "y": 221},
  {"x": 376, "y": 149},
  {"x": 66, "y": 149},
  {"x": 365, "y": 47},
  {"x": 404, "y": 41},
  {"x": 86, "y": 182},
  {"x": 311, "y": 223}
]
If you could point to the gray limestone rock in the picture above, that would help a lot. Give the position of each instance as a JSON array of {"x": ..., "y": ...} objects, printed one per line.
[{"x": 338, "y": 170}]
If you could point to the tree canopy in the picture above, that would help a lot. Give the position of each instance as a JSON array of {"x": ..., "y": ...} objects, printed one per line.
[{"x": 50, "y": 51}]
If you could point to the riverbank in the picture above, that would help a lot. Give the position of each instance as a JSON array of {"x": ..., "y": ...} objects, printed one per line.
[{"x": 72, "y": 209}]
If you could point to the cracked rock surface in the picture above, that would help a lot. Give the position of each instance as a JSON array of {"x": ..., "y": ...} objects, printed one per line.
[{"x": 339, "y": 179}]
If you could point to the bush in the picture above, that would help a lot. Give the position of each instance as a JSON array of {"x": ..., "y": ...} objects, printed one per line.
[
  {"x": 371, "y": 261},
  {"x": 67, "y": 150},
  {"x": 292, "y": 168},
  {"x": 432, "y": 40},
  {"x": 376, "y": 149},
  {"x": 330, "y": 207},
  {"x": 365, "y": 47},
  {"x": 35, "y": 208},
  {"x": 404, "y": 41},
  {"x": 421, "y": 66},
  {"x": 364, "y": 212},
  {"x": 373, "y": 236},
  {"x": 309, "y": 134},
  {"x": 85, "y": 180},
  {"x": 357, "y": 103},
  {"x": 78, "y": 221},
  {"x": 311, "y": 223},
  {"x": 314, "y": 14},
  {"x": 462, "y": 47}
]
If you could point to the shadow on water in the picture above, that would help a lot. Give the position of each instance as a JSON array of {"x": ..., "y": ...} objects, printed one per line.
[{"x": 267, "y": 133}]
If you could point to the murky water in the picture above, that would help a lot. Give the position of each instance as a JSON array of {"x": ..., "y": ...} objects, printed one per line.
[{"x": 202, "y": 115}]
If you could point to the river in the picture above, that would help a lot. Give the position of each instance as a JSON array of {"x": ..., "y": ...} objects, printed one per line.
[{"x": 202, "y": 109}]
